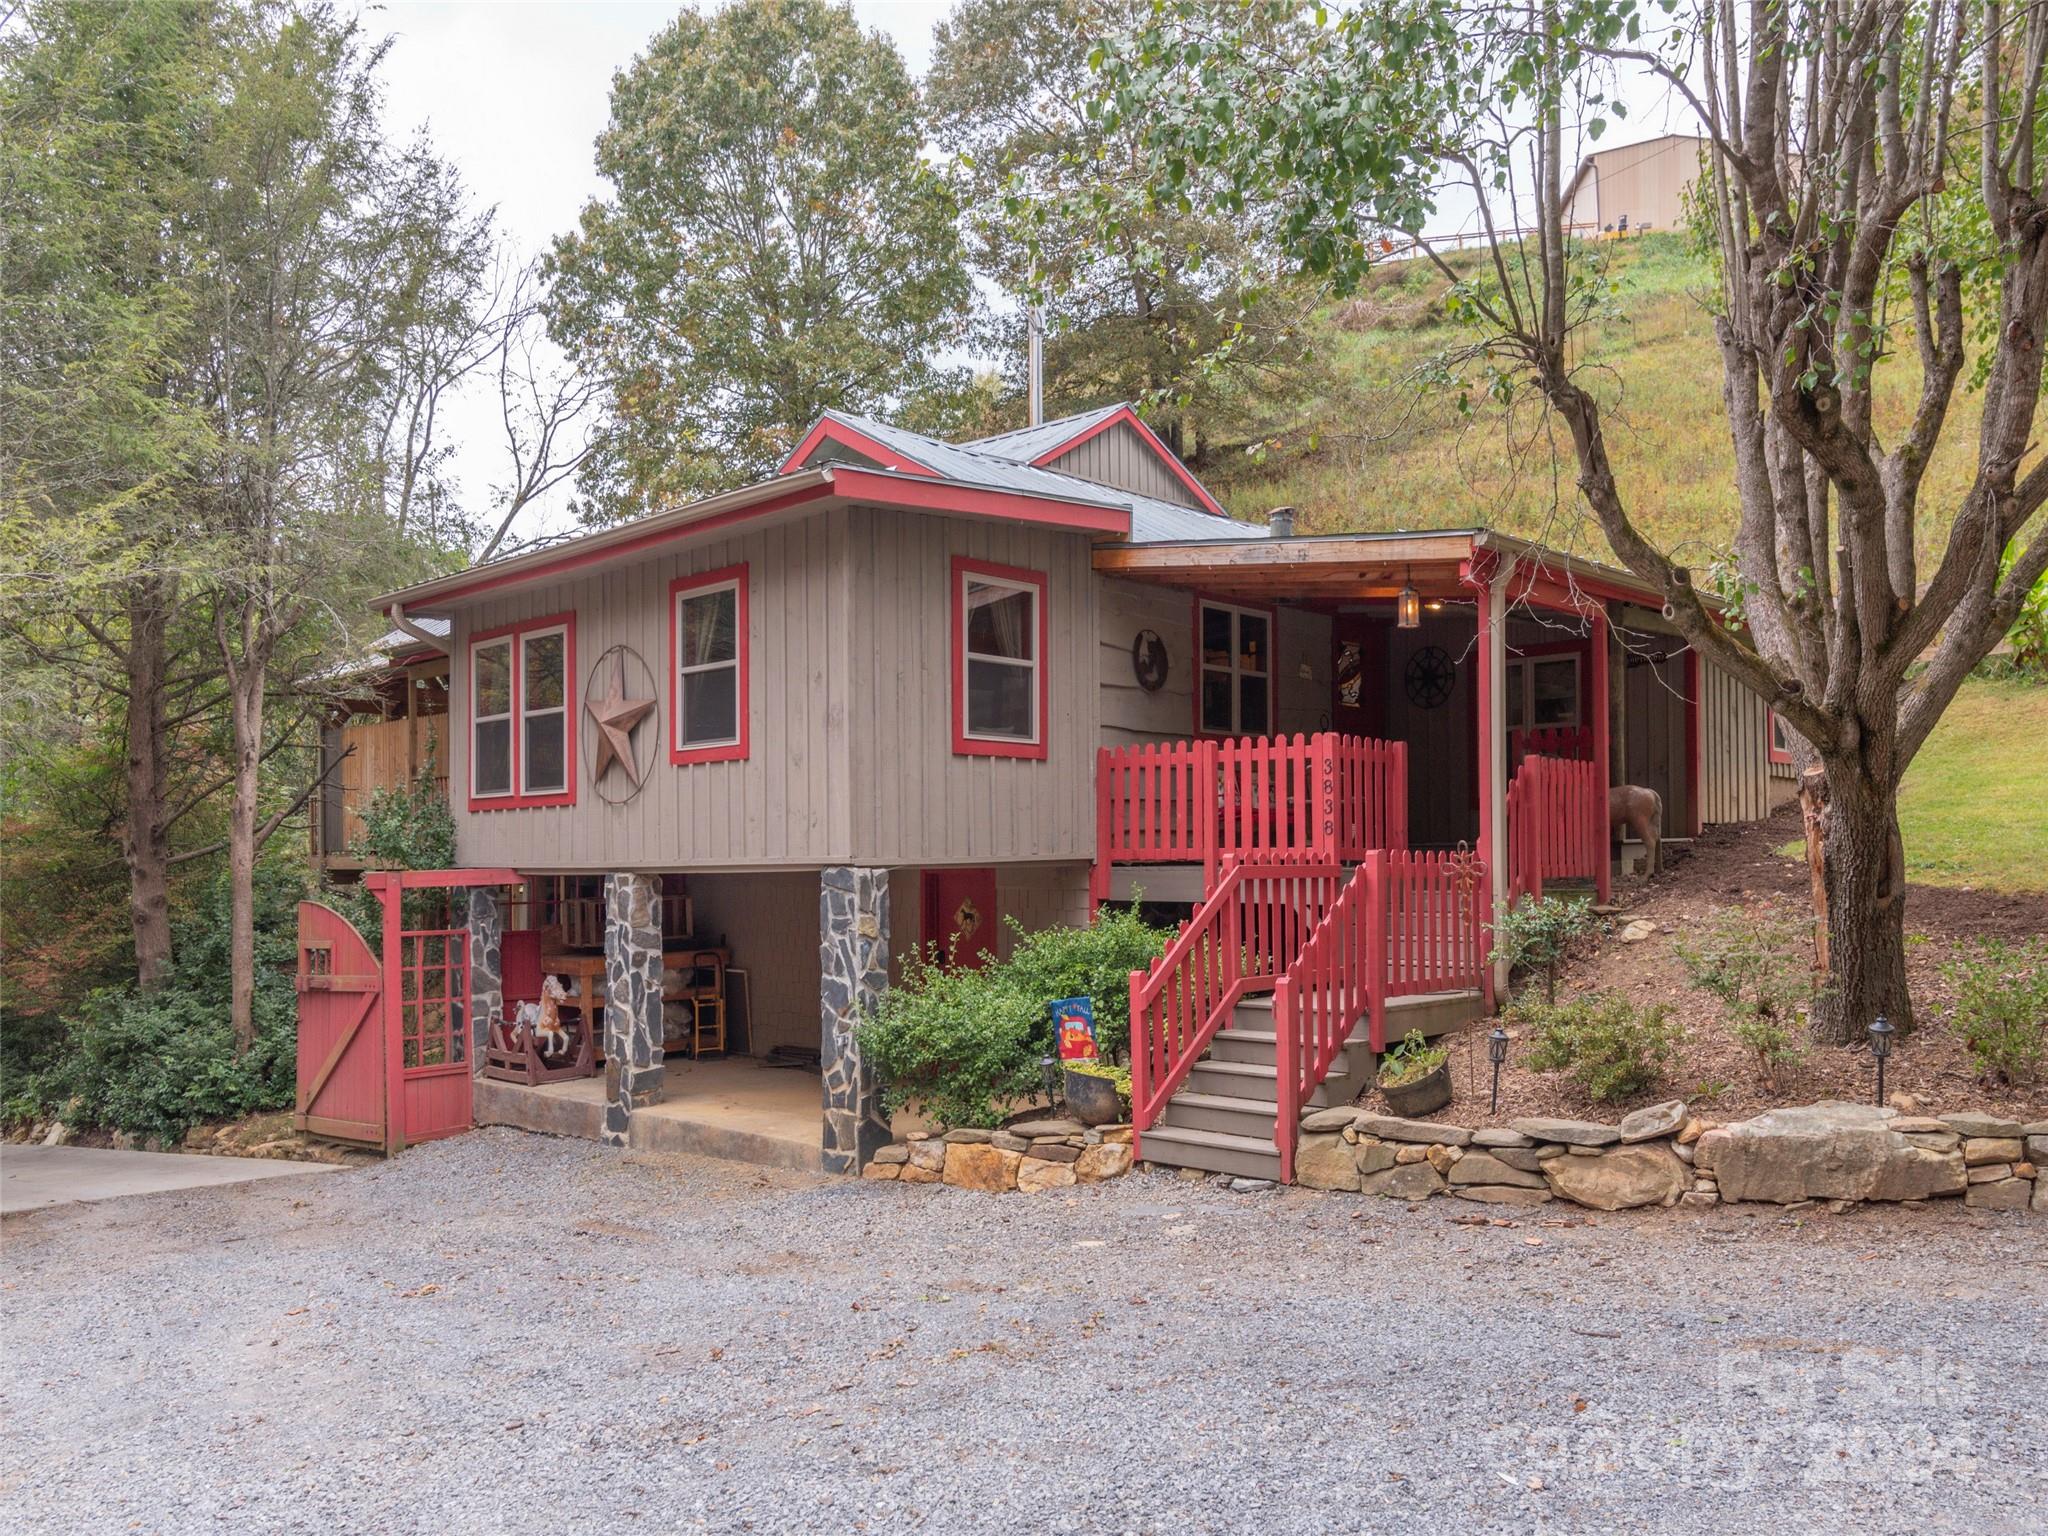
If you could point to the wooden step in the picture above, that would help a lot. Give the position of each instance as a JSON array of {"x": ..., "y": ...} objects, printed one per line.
[
  {"x": 1256, "y": 1080},
  {"x": 1248, "y": 1157},
  {"x": 1218, "y": 1112}
]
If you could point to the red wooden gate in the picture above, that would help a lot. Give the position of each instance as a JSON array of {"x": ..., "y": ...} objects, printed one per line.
[
  {"x": 385, "y": 1039},
  {"x": 341, "y": 1031}
]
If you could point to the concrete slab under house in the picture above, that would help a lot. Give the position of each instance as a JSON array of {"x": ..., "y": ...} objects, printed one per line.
[{"x": 715, "y": 770}]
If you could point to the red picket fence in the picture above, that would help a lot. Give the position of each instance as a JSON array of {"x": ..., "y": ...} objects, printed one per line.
[
  {"x": 1405, "y": 923},
  {"x": 1251, "y": 928},
  {"x": 1557, "y": 824},
  {"x": 1327, "y": 797},
  {"x": 1573, "y": 741}
]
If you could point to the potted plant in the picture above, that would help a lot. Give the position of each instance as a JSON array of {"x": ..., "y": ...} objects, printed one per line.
[
  {"x": 1096, "y": 1092},
  {"x": 1415, "y": 1076}
]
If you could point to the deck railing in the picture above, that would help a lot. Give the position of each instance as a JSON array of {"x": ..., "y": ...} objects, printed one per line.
[
  {"x": 1240, "y": 940},
  {"x": 1327, "y": 797},
  {"x": 1404, "y": 924},
  {"x": 1557, "y": 824}
]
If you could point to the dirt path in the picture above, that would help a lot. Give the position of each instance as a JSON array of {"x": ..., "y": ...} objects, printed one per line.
[{"x": 502, "y": 1333}]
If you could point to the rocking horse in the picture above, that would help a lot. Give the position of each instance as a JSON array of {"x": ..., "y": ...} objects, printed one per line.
[{"x": 538, "y": 1040}]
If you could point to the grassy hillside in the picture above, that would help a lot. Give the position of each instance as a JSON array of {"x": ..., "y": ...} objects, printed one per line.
[
  {"x": 1387, "y": 453},
  {"x": 1974, "y": 807}
]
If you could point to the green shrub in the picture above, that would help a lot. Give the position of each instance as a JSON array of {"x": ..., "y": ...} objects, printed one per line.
[
  {"x": 1538, "y": 935},
  {"x": 1755, "y": 961},
  {"x": 155, "y": 1064},
  {"x": 1610, "y": 1047},
  {"x": 965, "y": 1045},
  {"x": 2001, "y": 1008},
  {"x": 405, "y": 826},
  {"x": 1413, "y": 1059}
]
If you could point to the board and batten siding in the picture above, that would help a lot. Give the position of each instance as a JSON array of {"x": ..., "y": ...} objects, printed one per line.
[
  {"x": 850, "y": 706},
  {"x": 912, "y": 799},
  {"x": 787, "y": 803},
  {"x": 1118, "y": 456},
  {"x": 1130, "y": 715},
  {"x": 1735, "y": 733}
]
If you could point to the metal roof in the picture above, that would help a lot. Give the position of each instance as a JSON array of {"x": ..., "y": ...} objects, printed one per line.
[
  {"x": 1153, "y": 521},
  {"x": 1027, "y": 443}
]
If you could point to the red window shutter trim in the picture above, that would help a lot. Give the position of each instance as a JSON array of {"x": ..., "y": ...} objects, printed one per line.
[
  {"x": 571, "y": 756},
  {"x": 979, "y": 746},
  {"x": 727, "y": 752}
]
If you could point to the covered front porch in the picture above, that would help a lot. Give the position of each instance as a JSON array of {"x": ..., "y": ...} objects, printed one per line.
[{"x": 1344, "y": 693}]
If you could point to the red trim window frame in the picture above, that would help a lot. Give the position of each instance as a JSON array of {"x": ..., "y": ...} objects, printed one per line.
[
  {"x": 733, "y": 577},
  {"x": 1521, "y": 681},
  {"x": 1271, "y": 615},
  {"x": 966, "y": 744},
  {"x": 1772, "y": 750},
  {"x": 514, "y": 637}
]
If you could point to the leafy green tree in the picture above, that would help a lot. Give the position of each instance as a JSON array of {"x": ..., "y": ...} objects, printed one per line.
[
  {"x": 774, "y": 243},
  {"x": 1167, "y": 310},
  {"x": 1875, "y": 182}
]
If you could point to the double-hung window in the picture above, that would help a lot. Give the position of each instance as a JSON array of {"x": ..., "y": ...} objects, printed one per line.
[
  {"x": 708, "y": 666},
  {"x": 1234, "y": 694},
  {"x": 522, "y": 742},
  {"x": 999, "y": 643},
  {"x": 1542, "y": 691}
]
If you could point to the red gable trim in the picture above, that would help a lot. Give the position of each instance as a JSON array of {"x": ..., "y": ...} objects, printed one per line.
[
  {"x": 838, "y": 432},
  {"x": 979, "y": 501},
  {"x": 1129, "y": 418}
]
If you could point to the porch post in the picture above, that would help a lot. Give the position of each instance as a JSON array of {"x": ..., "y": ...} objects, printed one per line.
[
  {"x": 1603, "y": 877},
  {"x": 1493, "y": 752},
  {"x": 633, "y": 1069},
  {"x": 853, "y": 952},
  {"x": 486, "y": 969}
]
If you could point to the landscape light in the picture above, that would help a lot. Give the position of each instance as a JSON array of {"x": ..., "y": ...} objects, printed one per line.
[
  {"x": 1048, "y": 1070},
  {"x": 1497, "y": 1052},
  {"x": 1408, "y": 606},
  {"x": 1881, "y": 1034}
]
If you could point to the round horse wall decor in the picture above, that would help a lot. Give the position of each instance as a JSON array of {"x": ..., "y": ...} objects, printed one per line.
[
  {"x": 1148, "y": 660},
  {"x": 1430, "y": 676},
  {"x": 617, "y": 711}
]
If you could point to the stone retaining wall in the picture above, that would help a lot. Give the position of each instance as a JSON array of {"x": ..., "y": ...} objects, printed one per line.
[
  {"x": 1664, "y": 1155},
  {"x": 1033, "y": 1156}
]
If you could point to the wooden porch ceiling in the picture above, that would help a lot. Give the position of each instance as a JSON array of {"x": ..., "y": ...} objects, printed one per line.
[{"x": 1304, "y": 569}]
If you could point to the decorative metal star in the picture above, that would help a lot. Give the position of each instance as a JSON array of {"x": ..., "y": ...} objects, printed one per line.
[{"x": 616, "y": 716}]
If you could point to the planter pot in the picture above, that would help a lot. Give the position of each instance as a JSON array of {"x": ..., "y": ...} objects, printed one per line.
[
  {"x": 1092, "y": 1100},
  {"x": 1424, "y": 1096}
]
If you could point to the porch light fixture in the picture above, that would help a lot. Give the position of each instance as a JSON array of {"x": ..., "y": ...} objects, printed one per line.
[
  {"x": 1881, "y": 1033},
  {"x": 1497, "y": 1053},
  {"x": 1408, "y": 606}
]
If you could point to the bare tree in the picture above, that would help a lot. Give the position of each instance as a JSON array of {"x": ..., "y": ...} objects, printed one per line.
[
  {"x": 544, "y": 401},
  {"x": 1877, "y": 181}
]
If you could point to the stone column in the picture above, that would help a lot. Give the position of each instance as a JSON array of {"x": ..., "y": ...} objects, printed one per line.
[
  {"x": 632, "y": 1000},
  {"x": 486, "y": 969},
  {"x": 853, "y": 934}
]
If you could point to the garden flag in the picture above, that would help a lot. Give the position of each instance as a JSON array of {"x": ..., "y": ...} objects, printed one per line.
[{"x": 1073, "y": 1025}]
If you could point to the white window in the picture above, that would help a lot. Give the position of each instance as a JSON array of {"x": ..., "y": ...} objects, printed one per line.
[
  {"x": 544, "y": 711},
  {"x": 1542, "y": 692},
  {"x": 1236, "y": 686},
  {"x": 708, "y": 667},
  {"x": 999, "y": 643},
  {"x": 490, "y": 749}
]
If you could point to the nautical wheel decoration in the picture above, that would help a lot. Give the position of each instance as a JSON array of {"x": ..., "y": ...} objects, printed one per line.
[
  {"x": 1430, "y": 676},
  {"x": 619, "y": 697},
  {"x": 1148, "y": 660}
]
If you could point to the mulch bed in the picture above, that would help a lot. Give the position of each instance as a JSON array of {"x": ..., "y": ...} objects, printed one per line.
[{"x": 1737, "y": 865}]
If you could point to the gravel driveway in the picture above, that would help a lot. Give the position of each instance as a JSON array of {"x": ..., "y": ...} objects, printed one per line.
[{"x": 503, "y": 1333}]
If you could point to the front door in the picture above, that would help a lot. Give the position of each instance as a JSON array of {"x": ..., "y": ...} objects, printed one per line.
[
  {"x": 960, "y": 914},
  {"x": 1358, "y": 683}
]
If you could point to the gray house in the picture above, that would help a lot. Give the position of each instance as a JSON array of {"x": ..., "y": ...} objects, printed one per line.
[{"x": 906, "y": 692}]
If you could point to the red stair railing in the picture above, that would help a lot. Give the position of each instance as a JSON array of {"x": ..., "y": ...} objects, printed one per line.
[
  {"x": 1404, "y": 924},
  {"x": 1241, "y": 940}
]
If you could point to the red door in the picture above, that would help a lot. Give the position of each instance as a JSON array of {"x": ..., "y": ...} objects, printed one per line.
[
  {"x": 960, "y": 914},
  {"x": 428, "y": 1027},
  {"x": 341, "y": 1091}
]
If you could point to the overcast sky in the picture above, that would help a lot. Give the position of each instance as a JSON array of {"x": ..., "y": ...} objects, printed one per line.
[{"x": 516, "y": 94}]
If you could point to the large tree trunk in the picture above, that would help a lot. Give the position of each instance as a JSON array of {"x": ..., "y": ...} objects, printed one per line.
[
  {"x": 1863, "y": 865},
  {"x": 145, "y": 835},
  {"x": 246, "y": 700}
]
